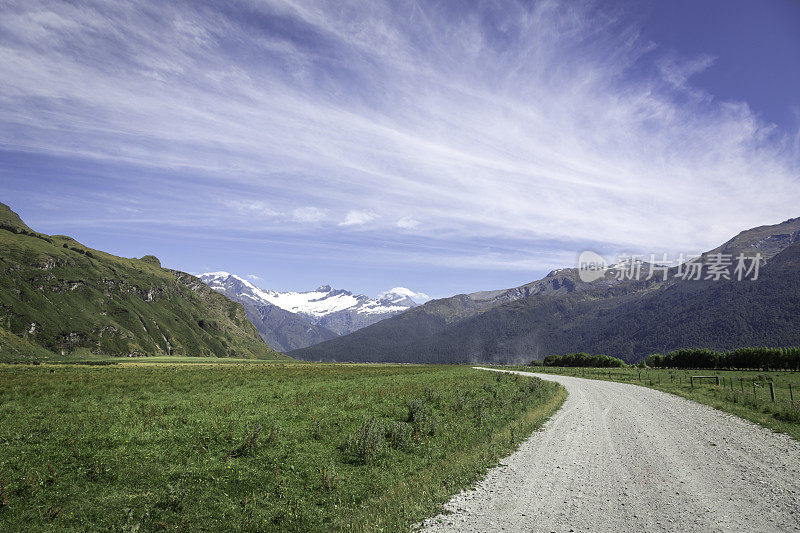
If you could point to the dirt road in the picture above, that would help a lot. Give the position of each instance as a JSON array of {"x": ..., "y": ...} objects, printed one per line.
[{"x": 619, "y": 457}]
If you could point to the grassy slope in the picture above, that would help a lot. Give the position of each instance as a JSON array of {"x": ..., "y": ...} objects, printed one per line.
[
  {"x": 782, "y": 416},
  {"x": 61, "y": 295},
  {"x": 16, "y": 348},
  {"x": 173, "y": 446}
]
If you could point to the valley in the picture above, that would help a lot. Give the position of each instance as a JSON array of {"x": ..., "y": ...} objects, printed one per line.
[
  {"x": 169, "y": 406},
  {"x": 520, "y": 266}
]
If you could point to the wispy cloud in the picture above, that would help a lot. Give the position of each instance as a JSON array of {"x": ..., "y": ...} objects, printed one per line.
[
  {"x": 677, "y": 71},
  {"x": 308, "y": 214},
  {"x": 497, "y": 120},
  {"x": 407, "y": 223},
  {"x": 358, "y": 218},
  {"x": 251, "y": 208}
]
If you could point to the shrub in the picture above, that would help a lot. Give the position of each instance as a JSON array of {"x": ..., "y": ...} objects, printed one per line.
[
  {"x": 367, "y": 443},
  {"x": 248, "y": 444},
  {"x": 400, "y": 435},
  {"x": 421, "y": 417}
]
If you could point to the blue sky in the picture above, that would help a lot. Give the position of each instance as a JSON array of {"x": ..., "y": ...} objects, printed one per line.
[{"x": 443, "y": 146}]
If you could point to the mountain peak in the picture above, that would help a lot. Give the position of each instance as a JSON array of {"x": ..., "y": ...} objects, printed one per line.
[
  {"x": 398, "y": 294},
  {"x": 221, "y": 274},
  {"x": 153, "y": 260},
  {"x": 10, "y": 219},
  {"x": 338, "y": 310},
  {"x": 767, "y": 240}
]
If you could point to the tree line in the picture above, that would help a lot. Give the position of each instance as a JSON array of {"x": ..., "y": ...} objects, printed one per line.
[
  {"x": 580, "y": 359},
  {"x": 758, "y": 358},
  {"x": 740, "y": 358}
]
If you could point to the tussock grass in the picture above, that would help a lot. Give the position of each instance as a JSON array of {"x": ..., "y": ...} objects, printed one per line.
[{"x": 251, "y": 447}]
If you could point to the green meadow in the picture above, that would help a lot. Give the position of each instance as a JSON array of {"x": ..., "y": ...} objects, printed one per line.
[{"x": 161, "y": 446}]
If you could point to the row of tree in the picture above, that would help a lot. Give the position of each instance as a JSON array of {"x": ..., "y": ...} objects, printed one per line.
[
  {"x": 740, "y": 358},
  {"x": 581, "y": 359}
]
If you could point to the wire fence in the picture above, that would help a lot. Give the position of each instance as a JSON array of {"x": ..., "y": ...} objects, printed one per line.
[{"x": 772, "y": 391}]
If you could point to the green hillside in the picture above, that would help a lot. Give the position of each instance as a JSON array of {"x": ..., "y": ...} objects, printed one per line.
[{"x": 59, "y": 295}]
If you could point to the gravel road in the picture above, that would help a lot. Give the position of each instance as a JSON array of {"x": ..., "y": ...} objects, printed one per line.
[{"x": 620, "y": 457}]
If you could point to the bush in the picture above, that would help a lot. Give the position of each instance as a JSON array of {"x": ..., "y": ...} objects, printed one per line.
[
  {"x": 399, "y": 435},
  {"x": 421, "y": 417},
  {"x": 367, "y": 443}
]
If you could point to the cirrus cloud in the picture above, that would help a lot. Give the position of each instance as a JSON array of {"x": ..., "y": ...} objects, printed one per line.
[
  {"x": 516, "y": 123},
  {"x": 358, "y": 218},
  {"x": 308, "y": 214}
]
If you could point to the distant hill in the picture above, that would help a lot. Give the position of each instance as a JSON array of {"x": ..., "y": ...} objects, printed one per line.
[
  {"x": 629, "y": 319},
  {"x": 290, "y": 320},
  {"x": 58, "y": 296}
]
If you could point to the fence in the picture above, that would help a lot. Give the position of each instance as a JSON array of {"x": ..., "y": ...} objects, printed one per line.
[{"x": 771, "y": 390}]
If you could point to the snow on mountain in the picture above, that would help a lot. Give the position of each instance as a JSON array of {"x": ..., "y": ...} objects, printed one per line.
[
  {"x": 280, "y": 329},
  {"x": 338, "y": 310},
  {"x": 399, "y": 293}
]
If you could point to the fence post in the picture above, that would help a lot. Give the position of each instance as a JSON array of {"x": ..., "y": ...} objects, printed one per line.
[
  {"x": 717, "y": 381},
  {"x": 691, "y": 380},
  {"x": 754, "y": 388},
  {"x": 741, "y": 382},
  {"x": 791, "y": 396},
  {"x": 772, "y": 391}
]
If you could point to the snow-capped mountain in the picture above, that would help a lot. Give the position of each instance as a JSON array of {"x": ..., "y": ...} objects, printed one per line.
[
  {"x": 325, "y": 301},
  {"x": 332, "y": 311},
  {"x": 401, "y": 294}
]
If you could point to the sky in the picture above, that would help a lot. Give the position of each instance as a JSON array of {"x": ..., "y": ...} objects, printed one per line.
[{"x": 447, "y": 147}]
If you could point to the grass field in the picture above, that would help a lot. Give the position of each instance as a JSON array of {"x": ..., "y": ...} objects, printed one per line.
[
  {"x": 743, "y": 393},
  {"x": 252, "y": 447},
  {"x": 84, "y": 357}
]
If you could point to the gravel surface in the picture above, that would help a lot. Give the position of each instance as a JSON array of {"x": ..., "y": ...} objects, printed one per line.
[{"x": 619, "y": 457}]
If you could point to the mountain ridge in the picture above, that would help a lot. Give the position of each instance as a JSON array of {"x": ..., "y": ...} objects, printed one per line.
[
  {"x": 559, "y": 313},
  {"x": 279, "y": 328},
  {"x": 294, "y": 320}
]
